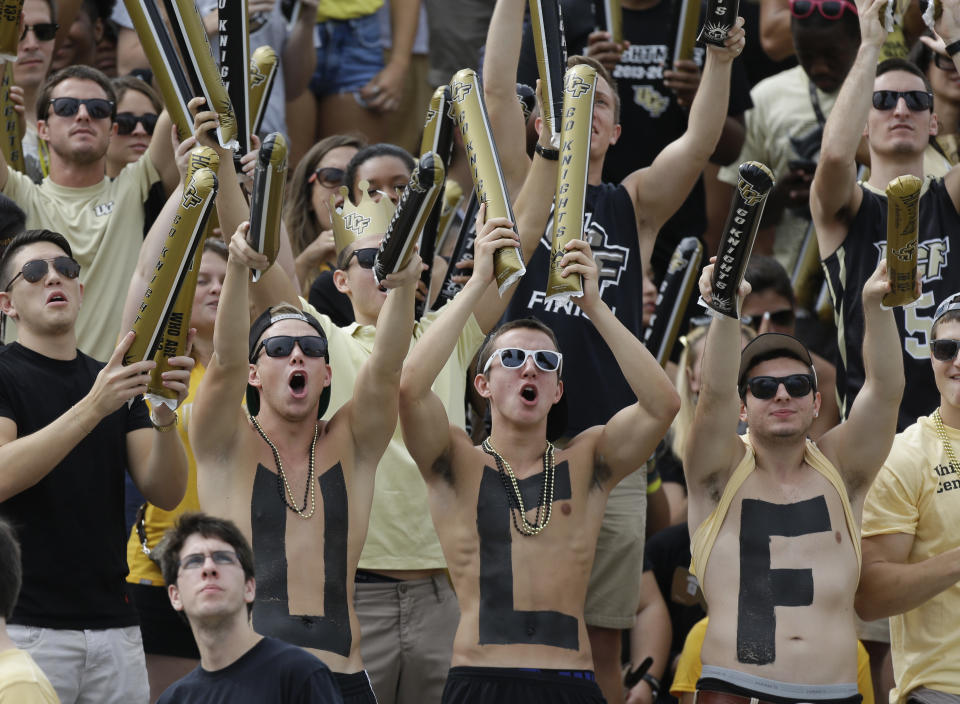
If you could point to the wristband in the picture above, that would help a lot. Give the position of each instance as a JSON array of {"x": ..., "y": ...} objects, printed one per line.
[
  {"x": 953, "y": 48},
  {"x": 653, "y": 682},
  {"x": 549, "y": 153},
  {"x": 164, "y": 428}
]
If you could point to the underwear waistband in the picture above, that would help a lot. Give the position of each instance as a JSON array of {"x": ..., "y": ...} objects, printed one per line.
[{"x": 735, "y": 682}]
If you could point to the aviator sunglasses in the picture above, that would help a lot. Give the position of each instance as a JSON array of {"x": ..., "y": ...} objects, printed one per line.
[
  {"x": 945, "y": 350},
  {"x": 36, "y": 269},
  {"x": 329, "y": 176},
  {"x": 828, "y": 9},
  {"x": 196, "y": 560},
  {"x": 282, "y": 346},
  {"x": 765, "y": 387},
  {"x": 97, "y": 108},
  {"x": 127, "y": 122},
  {"x": 916, "y": 100},
  {"x": 515, "y": 357},
  {"x": 43, "y": 31}
]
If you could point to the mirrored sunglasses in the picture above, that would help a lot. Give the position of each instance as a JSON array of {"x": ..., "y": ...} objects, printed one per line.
[
  {"x": 916, "y": 100},
  {"x": 765, "y": 387},
  {"x": 515, "y": 357},
  {"x": 127, "y": 122},
  {"x": 282, "y": 346},
  {"x": 97, "y": 108},
  {"x": 36, "y": 269},
  {"x": 944, "y": 350},
  {"x": 196, "y": 560}
]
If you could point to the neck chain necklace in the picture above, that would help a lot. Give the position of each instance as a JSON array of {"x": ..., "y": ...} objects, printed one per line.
[
  {"x": 282, "y": 483},
  {"x": 515, "y": 497},
  {"x": 942, "y": 432}
]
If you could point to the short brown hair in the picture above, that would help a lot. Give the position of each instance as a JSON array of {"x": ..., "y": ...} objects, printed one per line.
[
  {"x": 524, "y": 323},
  {"x": 577, "y": 60},
  {"x": 86, "y": 73},
  {"x": 122, "y": 84}
]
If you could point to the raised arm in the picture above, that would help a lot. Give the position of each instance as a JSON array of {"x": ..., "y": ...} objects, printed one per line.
[
  {"x": 834, "y": 195},
  {"x": 296, "y": 71},
  {"x": 630, "y": 437},
  {"x": 874, "y": 412},
  {"x": 162, "y": 154},
  {"x": 660, "y": 189},
  {"x": 948, "y": 29}
]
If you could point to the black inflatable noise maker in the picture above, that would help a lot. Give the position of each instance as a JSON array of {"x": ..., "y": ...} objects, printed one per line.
[
  {"x": 903, "y": 226},
  {"x": 551, "y": 49},
  {"x": 233, "y": 39},
  {"x": 266, "y": 203},
  {"x": 736, "y": 243},
  {"x": 10, "y": 143},
  {"x": 9, "y": 28},
  {"x": 470, "y": 113},
  {"x": 580, "y": 87},
  {"x": 263, "y": 71},
  {"x": 672, "y": 298},
  {"x": 463, "y": 250},
  {"x": 409, "y": 218},
  {"x": 201, "y": 69},
  {"x": 170, "y": 271},
  {"x": 612, "y": 18},
  {"x": 438, "y": 126},
  {"x": 161, "y": 52},
  {"x": 720, "y": 19},
  {"x": 685, "y": 38}
]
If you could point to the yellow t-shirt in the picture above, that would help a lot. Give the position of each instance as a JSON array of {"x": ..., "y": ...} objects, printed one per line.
[
  {"x": 401, "y": 535},
  {"x": 916, "y": 493},
  {"x": 346, "y": 9},
  {"x": 104, "y": 226},
  {"x": 22, "y": 681},
  {"x": 156, "y": 521},
  {"x": 689, "y": 665}
]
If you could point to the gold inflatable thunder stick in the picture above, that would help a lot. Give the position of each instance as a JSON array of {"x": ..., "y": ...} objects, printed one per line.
[
  {"x": 266, "y": 203},
  {"x": 9, "y": 28},
  {"x": 580, "y": 87},
  {"x": 736, "y": 243},
  {"x": 170, "y": 271},
  {"x": 903, "y": 226},
  {"x": 685, "y": 38},
  {"x": 672, "y": 298},
  {"x": 10, "y": 143},
  {"x": 233, "y": 39},
  {"x": 720, "y": 19},
  {"x": 612, "y": 20},
  {"x": 470, "y": 113},
  {"x": 551, "y": 49},
  {"x": 201, "y": 69},
  {"x": 162, "y": 54},
  {"x": 263, "y": 71}
]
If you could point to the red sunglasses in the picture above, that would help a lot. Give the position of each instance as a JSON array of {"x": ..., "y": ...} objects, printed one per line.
[{"x": 828, "y": 9}]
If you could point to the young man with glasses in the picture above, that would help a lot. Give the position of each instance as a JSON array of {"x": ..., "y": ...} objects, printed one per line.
[
  {"x": 208, "y": 566},
  {"x": 774, "y": 517},
  {"x": 299, "y": 488},
  {"x": 518, "y": 519},
  {"x": 69, "y": 428},
  {"x": 891, "y": 105},
  {"x": 34, "y": 54},
  {"x": 911, "y": 535},
  {"x": 76, "y": 109}
]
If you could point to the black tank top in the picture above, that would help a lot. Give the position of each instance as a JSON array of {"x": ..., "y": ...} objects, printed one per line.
[
  {"x": 851, "y": 265},
  {"x": 593, "y": 383}
]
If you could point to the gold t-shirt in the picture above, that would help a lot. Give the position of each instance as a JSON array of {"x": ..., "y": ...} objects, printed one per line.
[
  {"x": 346, "y": 9},
  {"x": 22, "y": 681}
]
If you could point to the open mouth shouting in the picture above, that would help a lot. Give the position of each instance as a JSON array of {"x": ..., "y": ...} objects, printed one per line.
[
  {"x": 528, "y": 392},
  {"x": 298, "y": 384}
]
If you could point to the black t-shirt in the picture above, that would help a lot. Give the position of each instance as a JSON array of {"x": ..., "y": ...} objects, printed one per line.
[
  {"x": 270, "y": 672},
  {"x": 70, "y": 523},
  {"x": 593, "y": 383},
  {"x": 578, "y": 23},
  {"x": 667, "y": 551},
  {"x": 327, "y": 299},
  {"x": 851, "y": 265}
]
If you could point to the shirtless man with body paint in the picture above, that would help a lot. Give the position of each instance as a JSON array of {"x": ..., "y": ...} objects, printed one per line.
[
  {"x": 520, "y": 567},
  {"x": 775, "y": 518}
]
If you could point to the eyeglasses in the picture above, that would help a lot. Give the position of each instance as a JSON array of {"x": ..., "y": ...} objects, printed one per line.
[
  {"x": 43, "y": 31},
  {"x": 97, "y": 108},
  {"x": 36, "y": 269},
  {"x": 944, "y": 63},
  {"x": 365, "y": 257},
  {"x": 515, "y": 357},
  {"x": 282, "y": 346},
  {"x": 781, "y": 318},
  {"x": 828, "y": 9},
  {"x": 329, "y": 176},
  {"x": 916, "y": 100},
  {"x": 197, "y": 560},
  {"x": 765, "y": 387},
  {"x": 127, "y": 122},
  {"x": 944, "y": 350}
]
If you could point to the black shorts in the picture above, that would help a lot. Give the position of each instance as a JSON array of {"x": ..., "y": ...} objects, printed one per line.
[
  {"x": 524, "y": 686},
  {"x": 355, "y": 688},
  {"x": 165, "y": 631}
]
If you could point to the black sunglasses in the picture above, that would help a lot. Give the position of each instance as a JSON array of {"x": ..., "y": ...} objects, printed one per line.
[
  {"x": 127, "y": 122},
  {"x": 36, "y": 269},
  {"x": 780, "y": 318},
  {"x": 944, "y": 350},
  {"x": 765, "y": 387},
  {"x": 329, "y": 176},
  {"x": 282, "y": 346},
  {"x": 944, "y": 63},
  {"x": 43, "y": 31},
  {"x": 917, "y": 100},
  {"x": 365, "y": 257},
  {"x": 97, "y": 108}
]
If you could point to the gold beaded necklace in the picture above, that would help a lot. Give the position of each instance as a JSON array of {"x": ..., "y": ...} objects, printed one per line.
[
  {"x": 282, "y": 482},
  {"x": 942, "y": 432},
  {"x": 515, "y": 497}
]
